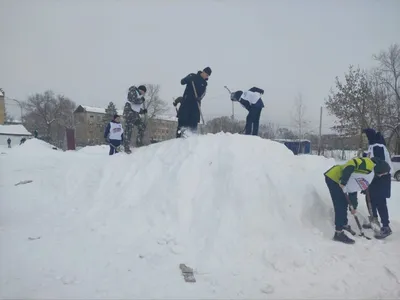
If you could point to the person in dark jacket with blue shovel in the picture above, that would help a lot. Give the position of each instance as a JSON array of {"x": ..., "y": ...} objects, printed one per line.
[{"x": 380, "y": 188}]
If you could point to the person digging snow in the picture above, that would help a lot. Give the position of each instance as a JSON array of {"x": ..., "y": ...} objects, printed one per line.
[
  {"x": 190, "y": 103},
  {"x": 134, "y": 107},
  {"x": 380, "y": 188},
  {"x": 353, "y": 176},
  {"x": 251, "y": 100},
  {"x": 114, "y": 134}
]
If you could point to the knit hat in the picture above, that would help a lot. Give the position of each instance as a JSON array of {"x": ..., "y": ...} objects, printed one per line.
[
  {"x": 207, "y": 70},
  {"x": 116, "y": 116},
  {"x": 381, "y": 166},
  {"x": 142, "y": 88}
]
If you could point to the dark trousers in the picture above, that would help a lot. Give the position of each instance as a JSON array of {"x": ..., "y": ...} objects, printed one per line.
[
  {"x": 340, "y": 203},
  {"x": 379, "y": 205},
  {"x": 253, "y": 121},
  {"x": 181, "y": 128},
  {"x": 379, "y": 191},
  {"x": 114, "y": 144}
]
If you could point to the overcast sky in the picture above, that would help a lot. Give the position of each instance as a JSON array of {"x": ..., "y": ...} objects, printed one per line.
[{"x": 93, "y": 50}]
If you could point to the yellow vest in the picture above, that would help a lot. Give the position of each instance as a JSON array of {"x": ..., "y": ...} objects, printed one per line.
[{"x": 362, "y": 165}]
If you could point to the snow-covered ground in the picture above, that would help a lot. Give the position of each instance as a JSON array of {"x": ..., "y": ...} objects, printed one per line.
[{"x": 252, "y": 219}]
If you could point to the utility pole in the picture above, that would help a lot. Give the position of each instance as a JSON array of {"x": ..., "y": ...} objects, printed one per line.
[{"x": 320, "y": 132}]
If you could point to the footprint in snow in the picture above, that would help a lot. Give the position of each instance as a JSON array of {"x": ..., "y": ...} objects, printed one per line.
[{"x": 268, "y": 289}]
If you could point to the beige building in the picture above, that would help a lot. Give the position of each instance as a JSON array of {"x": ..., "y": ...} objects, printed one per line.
[
  {"x": 2, "y": 107},
  {"x": 89, "y": 127}
]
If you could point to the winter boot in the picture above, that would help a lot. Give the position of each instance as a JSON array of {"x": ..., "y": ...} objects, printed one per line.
[
  {"x": 340, "y": 236},
  {"x": 385, "y": 232},
  {"x": 348, "y": 229}
]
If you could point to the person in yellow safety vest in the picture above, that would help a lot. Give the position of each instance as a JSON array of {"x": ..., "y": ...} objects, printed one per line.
[{"x": 352, "y": 177}]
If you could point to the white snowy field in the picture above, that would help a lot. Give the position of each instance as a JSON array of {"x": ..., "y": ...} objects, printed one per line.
[{"x": 252, "y": 219}]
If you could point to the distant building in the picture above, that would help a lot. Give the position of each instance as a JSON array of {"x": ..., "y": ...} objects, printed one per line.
[
  {"x": 14, "y": 132},
  {"x": 161, "y": 128},
  {"x": 89, "y": 127},
  {"x": 2, "y": 107}
]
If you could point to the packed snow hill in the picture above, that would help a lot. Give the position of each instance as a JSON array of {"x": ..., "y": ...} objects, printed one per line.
[{"x": 249, "y": 218}]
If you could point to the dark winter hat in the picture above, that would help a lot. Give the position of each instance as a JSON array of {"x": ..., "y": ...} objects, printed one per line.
[
  {"x": 142, "y": 88},
  {"x": 207, "y": 70},
  {"x": 381, "y": 166},
  {"x": 116, "y": 116},
  {"x": 371, "y": 134}
]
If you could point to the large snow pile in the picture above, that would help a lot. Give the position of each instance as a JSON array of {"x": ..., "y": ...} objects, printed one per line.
[{"x": 252, "y": 219}]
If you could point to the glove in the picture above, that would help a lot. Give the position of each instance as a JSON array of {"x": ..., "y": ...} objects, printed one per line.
[
  {"x": 233, "y": 97},
  {"x": 143, "y": 111},
  {"x": 177, "y": 101}
]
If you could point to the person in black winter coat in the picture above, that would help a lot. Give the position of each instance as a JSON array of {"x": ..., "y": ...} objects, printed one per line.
[
  {"x": 251, "y": 100},
  {"x": 190, "y": 103},
  {"x": 380, "y": 188}
]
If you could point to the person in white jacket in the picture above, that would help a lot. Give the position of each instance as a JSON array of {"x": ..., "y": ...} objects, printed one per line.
[
  {"x": 114, "y": 134},
  {"x": 251, "y": 100}
]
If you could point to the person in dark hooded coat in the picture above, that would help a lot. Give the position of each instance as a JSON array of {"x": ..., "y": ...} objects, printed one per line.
[
  {"x": 190, "y": 103},
  {"x": 380, "y": 188}
]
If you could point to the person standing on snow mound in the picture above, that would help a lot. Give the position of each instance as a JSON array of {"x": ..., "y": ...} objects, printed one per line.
[
  {"x": 190, "y": 103},
  {"x": 351, "y": 177},
  {"x": 114, "y": 134},
  {"x": 251, "y": 100},
  {"x": 132, "y": 111},
  {"x": 380, "y": 188}
]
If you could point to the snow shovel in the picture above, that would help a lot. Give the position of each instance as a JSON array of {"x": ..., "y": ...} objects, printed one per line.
[
  {"x": 376, "y": 227},
  {"x": 356, "y": 217}
]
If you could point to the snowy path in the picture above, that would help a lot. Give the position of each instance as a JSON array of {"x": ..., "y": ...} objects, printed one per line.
[{"x": 253, "y": 220}]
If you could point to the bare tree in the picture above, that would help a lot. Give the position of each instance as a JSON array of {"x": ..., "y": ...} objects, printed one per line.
[
  {"x": 379, "y": 107},
  {"x": 49, "y": 114},
  {"x": 225, "y": 124},
  {"x": 268, "y": 131},
  {"x": 154, "y": 104},
  {"x": 7, "y": 117},
  {"x": 285, "y": 133},
  {"x": 389, "y": 69},
  {"x": 298, "y": 116},
  {"x": 388, "y": 72}
]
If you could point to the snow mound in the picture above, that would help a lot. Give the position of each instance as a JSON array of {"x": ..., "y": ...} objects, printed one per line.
[
  {"x": 34, "y": 146},
  {"x": 98, "y": 149},
  {"x": 252, "y": 219}
]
